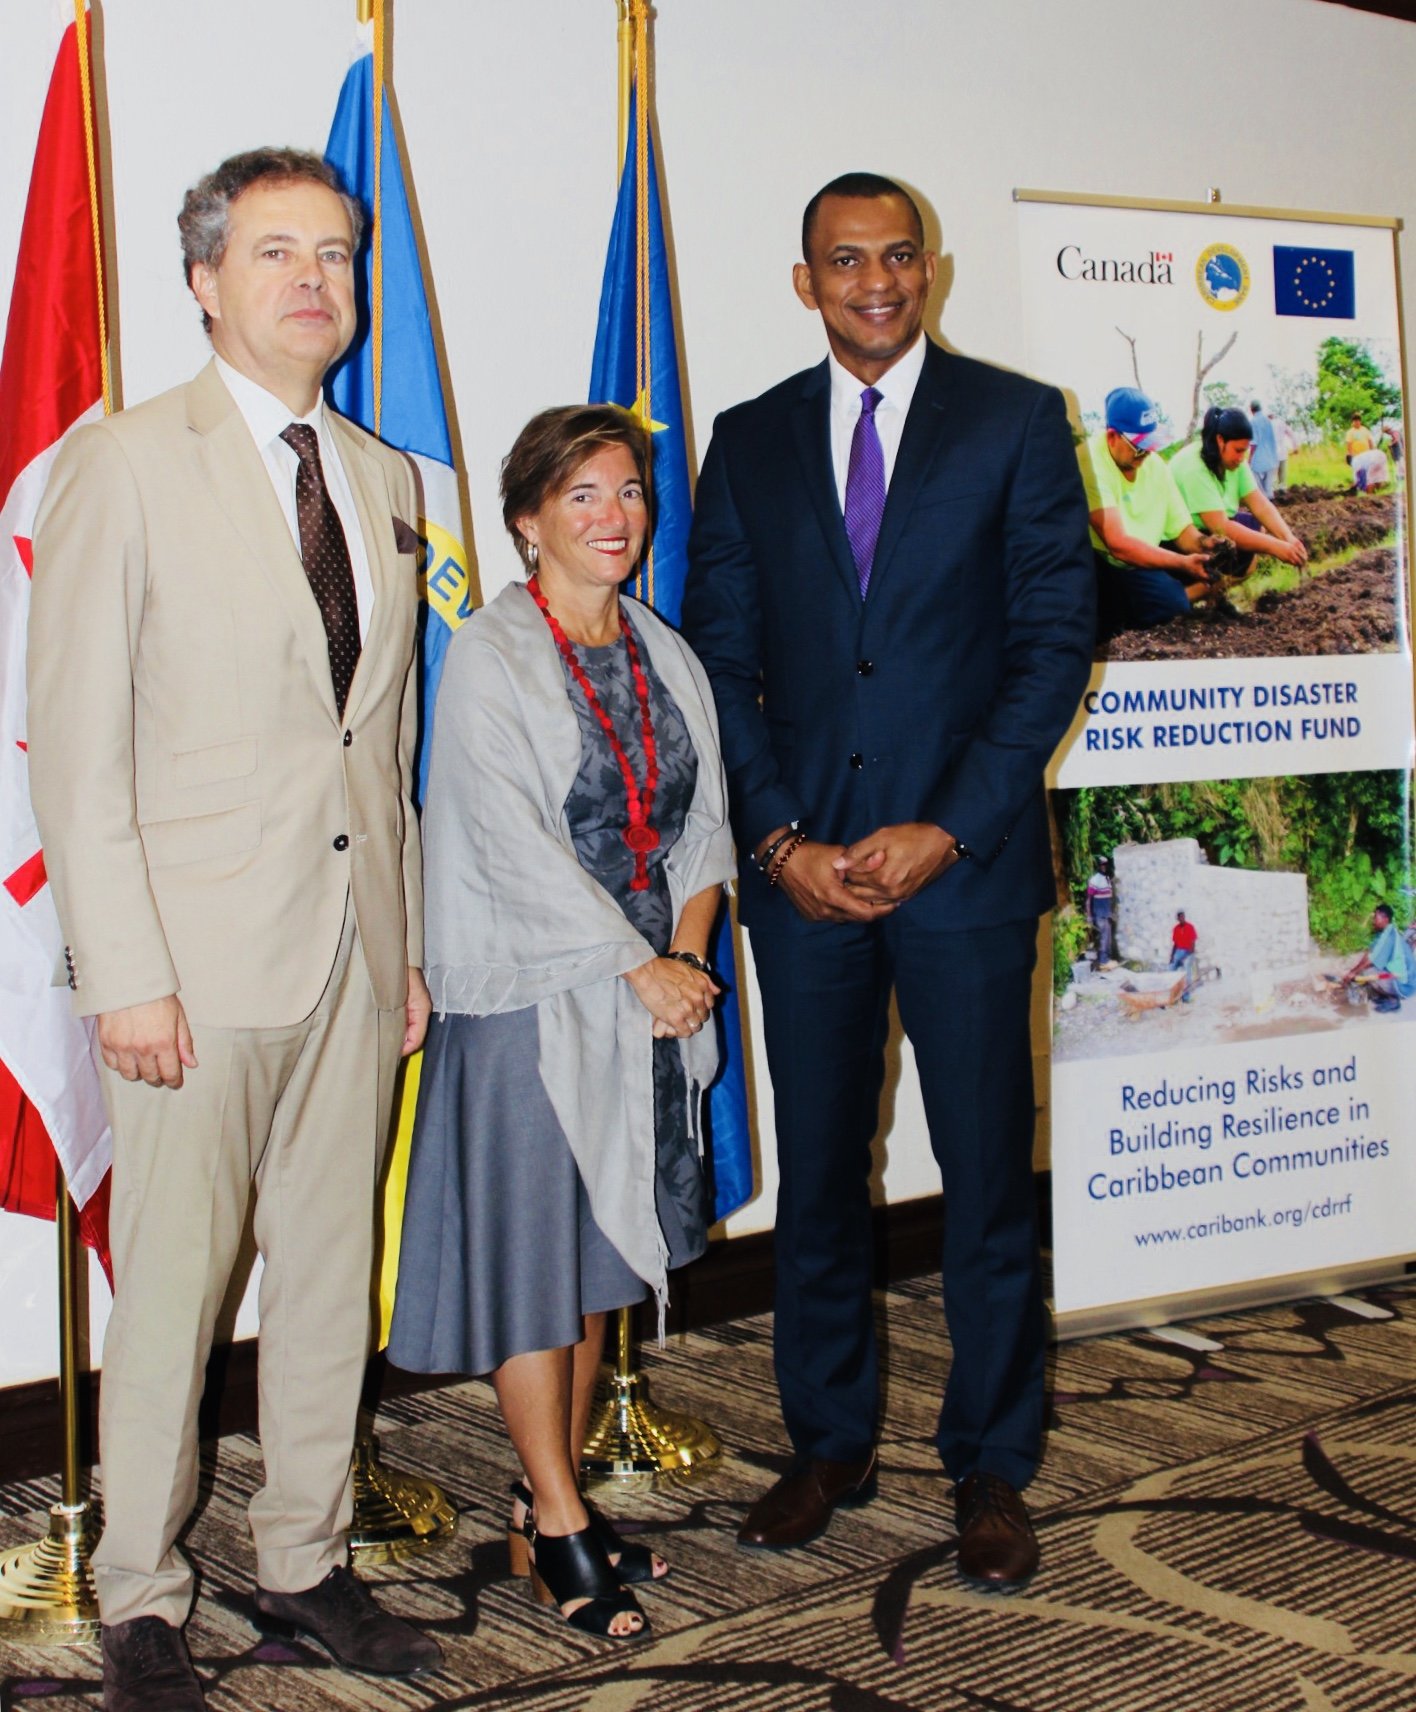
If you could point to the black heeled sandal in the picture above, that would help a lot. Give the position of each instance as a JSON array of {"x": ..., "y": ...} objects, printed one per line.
[
  {"x": 574, "y": 1566},
  {"x": 636, "y": 1562}
]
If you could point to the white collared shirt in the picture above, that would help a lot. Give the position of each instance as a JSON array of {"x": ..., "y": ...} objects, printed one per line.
[
  {"x": 267, "y": 418},
  {"x": 896, "y": 388}
]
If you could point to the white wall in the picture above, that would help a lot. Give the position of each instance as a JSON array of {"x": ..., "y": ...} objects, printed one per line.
[{"x": 509, "y": 112}]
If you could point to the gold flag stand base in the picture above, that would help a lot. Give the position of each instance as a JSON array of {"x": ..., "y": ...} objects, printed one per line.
[
  {"x": 396, "y": 1515},
  {"x": 47, "y": 1595},
  {"x": 46, "y": 1589},
  {"x": 631, "y": 1439}
]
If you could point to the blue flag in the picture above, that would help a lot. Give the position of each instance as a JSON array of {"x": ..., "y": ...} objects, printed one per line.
[
  {"x": 614, "y": 380},
  {"x": 412, "y": 414},
  {"x": 1319, "y": 283},
  {"x": 413, "y": 417}
]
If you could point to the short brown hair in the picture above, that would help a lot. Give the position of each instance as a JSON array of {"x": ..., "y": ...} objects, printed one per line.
[
  {"x": 552, "y": 447},
  {"x": 205, "y": 218}
]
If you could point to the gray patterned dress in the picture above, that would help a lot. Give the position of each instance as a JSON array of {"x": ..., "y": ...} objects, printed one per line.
[{"x": 508, "y": 1257}]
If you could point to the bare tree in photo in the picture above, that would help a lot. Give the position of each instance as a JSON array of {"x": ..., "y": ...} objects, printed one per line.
[
  {"x": 1203, "y": 368},
  {"x": 1135, "y": 361}
]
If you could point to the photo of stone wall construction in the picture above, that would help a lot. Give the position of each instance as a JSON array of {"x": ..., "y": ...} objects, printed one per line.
[{"x": 1225, "y": 910}]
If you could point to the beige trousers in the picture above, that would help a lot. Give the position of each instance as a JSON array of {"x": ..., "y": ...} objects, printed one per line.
[{"x": 302, "y": 1112}]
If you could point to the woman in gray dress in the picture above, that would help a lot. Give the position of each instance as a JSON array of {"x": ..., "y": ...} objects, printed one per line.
[{"x": 575, "y": 848}]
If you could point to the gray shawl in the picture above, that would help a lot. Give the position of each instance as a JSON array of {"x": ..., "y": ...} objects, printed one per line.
[{"x": 512, "y": 919}]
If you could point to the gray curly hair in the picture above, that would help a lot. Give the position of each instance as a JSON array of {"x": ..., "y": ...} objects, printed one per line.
[{"x": 205, "y": 219}]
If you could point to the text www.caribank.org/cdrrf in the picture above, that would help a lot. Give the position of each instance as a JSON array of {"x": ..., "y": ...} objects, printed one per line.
[{"x": 1226, "y": 1224}]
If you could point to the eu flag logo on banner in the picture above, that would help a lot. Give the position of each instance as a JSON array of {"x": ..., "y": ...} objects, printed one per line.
[
  {"x": 411, "y": 413},
  {"x": 628, "y": 326},
  {"x": 1319, "y": 283}
]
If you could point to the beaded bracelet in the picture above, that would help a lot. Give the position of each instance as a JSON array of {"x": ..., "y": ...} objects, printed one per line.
[
  {"x": 790, "y": 850},
  {"x": 764, "y": 861}
]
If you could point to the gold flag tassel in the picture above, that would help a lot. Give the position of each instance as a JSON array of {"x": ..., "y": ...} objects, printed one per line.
[
  {"x": 47, "y": 1589},
  {"x": 631, "y": 1439},
  {"x": 644, "y": 356}
]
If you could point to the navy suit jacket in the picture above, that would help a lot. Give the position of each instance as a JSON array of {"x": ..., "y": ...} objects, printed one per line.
[{"x": 942, "y": 694}]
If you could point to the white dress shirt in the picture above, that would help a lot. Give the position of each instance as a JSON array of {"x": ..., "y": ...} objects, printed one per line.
[
  {"x": 896, "y": 388},
  {"x": 267, "y": 418}
]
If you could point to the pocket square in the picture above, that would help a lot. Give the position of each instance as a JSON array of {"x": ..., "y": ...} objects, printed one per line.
[{"x": 406, "y": 539}]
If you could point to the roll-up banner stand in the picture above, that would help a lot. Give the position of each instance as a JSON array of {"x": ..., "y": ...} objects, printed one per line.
[{"x": 1233, "y": 1097}]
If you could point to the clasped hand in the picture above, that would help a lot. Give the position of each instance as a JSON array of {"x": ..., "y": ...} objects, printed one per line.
[
  {"x": 677, "y": 996},
  {"x": 891, "y": 865},
  {"x": 868, "y": 879}
]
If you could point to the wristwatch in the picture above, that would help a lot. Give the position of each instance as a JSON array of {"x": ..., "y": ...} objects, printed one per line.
[{"x": 693, "y": 959}]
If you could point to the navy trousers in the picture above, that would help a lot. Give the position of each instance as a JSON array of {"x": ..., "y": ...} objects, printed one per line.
[{"x": 964, "y": 1001}]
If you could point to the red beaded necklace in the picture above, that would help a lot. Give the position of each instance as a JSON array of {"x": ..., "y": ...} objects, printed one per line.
[{"x": 638, "y": 835}]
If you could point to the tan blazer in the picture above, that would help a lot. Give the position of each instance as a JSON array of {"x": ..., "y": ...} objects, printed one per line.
[{"x": 204, "y": 812}]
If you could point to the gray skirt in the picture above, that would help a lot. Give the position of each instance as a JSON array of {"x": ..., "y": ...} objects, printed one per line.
[{"x": 500, "y": 1253}]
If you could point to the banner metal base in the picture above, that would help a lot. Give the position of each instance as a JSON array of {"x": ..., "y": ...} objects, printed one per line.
[{"x": 1234, "y": 1298}]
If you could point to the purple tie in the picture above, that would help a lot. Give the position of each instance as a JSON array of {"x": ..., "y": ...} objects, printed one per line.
[{"x": 865, "y": 488}]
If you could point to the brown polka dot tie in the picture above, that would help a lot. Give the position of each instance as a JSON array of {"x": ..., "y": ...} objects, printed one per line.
[{"x": 326, "y": 555}]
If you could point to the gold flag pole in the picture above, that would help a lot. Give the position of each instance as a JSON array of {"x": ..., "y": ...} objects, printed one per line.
[
  {"x": 631, "y": 1439},
  {"x": 396, "y": 1515},
  {"x": 624, "y": 41},
  {"x": 46, "y": 1589}
]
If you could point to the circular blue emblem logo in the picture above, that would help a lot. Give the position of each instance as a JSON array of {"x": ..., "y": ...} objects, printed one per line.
[{"x": 1222, "y": 276}]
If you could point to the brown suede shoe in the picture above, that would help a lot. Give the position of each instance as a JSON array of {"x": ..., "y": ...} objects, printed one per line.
[
  {"x": 146, "y": 1668},
  {"x": 798, "y": 1508},
  {"x": 342, "y": 1615},
  {"x": 997, "y": 1546}
]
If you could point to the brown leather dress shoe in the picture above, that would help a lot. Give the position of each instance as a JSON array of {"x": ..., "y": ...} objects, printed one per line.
[
  {"x": 798, "y": 1508},
  {"x": 997, "y": 1546},
  {"x": 343, "y": 1616},
  {"x": 146, "y": 1668}
]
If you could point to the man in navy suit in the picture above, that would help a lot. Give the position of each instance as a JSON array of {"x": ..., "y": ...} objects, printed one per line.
[{"x": 892, "y": 589}]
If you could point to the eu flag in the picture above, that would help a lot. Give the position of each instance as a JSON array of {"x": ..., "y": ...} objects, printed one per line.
[
  {"x": 412, "y": 415},
  {"x": 614, "y": 375},
  {"x": 614, "y": 379},
  {"x": 1319, "y": 283}
]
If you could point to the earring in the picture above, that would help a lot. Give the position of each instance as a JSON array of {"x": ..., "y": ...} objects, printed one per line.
[{"x": 533, "y": 554}]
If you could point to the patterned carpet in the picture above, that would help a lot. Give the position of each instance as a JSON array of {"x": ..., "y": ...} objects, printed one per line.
[{"x": 1222, "y": 1531}]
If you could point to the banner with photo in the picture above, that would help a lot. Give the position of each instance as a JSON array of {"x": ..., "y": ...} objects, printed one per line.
[{"x": 1234, "y": 972}]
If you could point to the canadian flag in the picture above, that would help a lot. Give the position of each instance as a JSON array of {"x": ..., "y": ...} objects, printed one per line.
[{"x": 51, "y": 379}]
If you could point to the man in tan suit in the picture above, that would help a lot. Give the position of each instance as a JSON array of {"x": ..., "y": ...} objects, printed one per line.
[{"x": 221, "y": 723}]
